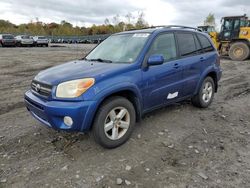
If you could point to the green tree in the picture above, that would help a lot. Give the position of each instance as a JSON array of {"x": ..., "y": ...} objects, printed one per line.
[
  {"x": 67, "y": 29},
  {"x": 210, "y": 20}
]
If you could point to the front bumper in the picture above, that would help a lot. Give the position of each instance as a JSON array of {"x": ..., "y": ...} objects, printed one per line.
[
  {"x": 51, "y": 113},
  {"x": 27, "y": 42},
  {"x": 9, "y": 43},
  {"x": 42, "y": 42}
]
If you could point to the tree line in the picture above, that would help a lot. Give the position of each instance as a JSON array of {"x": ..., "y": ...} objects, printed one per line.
[
  {"x": 67, "y": 29},
  {"x": 116, "y": 24}
]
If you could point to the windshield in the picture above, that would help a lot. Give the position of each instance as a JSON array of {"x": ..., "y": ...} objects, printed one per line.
[
  {"x": 41, "y": 38},
  {"x": 25, "y": 37},
  {"x": 123, "y": 48},
  {"x": 8, "y": 37}
]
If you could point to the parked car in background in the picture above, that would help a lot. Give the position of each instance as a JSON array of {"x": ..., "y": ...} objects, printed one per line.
[
  {"x": 41, "y": 41},
  {"x": 125, "y": 77},
  {"x": 7, "y": 40},
  {"x": 24, "y": 40}
]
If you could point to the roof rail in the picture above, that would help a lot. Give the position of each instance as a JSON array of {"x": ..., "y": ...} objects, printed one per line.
[
  {"x": 171, "y": 26},
  {"x": 182, "y": 27}
]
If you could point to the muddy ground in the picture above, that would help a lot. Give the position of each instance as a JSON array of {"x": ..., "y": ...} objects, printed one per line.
[{"x": 177, "y": 146}]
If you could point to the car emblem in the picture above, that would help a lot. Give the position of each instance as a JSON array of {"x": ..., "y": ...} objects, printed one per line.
[{"x": 38, "y": 88}]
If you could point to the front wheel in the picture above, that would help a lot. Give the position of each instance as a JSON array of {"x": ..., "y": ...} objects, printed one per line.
[
  {"x": 114, "y": 122},
  {"x": 205, "y": 95}
]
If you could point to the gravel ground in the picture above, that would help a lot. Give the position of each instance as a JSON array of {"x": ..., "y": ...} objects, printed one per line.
[{"x": 177, "y": 146}]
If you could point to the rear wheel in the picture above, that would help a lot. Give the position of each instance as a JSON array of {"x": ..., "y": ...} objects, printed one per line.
[
  {"x": 239, "y": 51},
  {"x": 114, "y": 122},
  {"x": 205, "y": 95}
]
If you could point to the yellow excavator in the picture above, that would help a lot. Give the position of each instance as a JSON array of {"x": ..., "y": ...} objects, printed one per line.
[
  {"x": 212, "y": 32},
  {"x": 234, "y": 38}
]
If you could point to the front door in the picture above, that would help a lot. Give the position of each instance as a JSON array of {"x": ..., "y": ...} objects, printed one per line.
[{"x": 162, "y": 83}]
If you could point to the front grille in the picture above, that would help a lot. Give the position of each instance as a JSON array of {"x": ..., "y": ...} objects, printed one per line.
[{"x": 41, "y": 88}]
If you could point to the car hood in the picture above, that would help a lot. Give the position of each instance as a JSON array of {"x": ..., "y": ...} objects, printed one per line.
[{"x": 77, "y": 70}]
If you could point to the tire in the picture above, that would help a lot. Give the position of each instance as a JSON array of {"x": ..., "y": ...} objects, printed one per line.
[
  {"x": 239, "y": 51},
  {"x": 205, "y": 96},
  {"x": 1, "y": 45},
  {"x": 115, "y": 135}
]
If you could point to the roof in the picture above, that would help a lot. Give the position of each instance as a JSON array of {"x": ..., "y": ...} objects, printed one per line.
[{"x": 242, "y": 16}]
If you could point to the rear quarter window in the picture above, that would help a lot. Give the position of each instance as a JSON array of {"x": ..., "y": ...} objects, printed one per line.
[{"x": 205, "y": 43}]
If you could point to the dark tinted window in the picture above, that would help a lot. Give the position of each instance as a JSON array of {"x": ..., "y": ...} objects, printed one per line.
[
  {"x": 164, "y": 45},
  {"x": 205, "y": 43},
  {"x": 228, "y": 25},
  {"x": 186, "y": 44},
  {"x": 236, "y": 24},
  {"x": 198, "y": 45}
]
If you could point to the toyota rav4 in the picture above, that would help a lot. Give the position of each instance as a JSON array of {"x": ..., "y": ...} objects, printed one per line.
[{"x": 124, "y": 77}]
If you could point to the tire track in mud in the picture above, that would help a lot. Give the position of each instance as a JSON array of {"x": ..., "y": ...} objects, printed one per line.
[
  {"x": 11, "y": 65},
  {"x": 237, "y": 90},
  {"x": 22, "y": 72},
  {"x": 11, "y": 107}
]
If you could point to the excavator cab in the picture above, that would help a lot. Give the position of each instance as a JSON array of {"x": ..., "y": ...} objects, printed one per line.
[{"x": 230, "y": 28}]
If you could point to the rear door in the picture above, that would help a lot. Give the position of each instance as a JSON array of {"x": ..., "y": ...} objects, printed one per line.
[
  {"x": 162, "y": 83},
  {"x": 191, "y": 55},
  {"x": 209, "y": 54}
]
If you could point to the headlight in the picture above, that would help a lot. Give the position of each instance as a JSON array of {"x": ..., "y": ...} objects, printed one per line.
[{"x": 74, "y": 88}]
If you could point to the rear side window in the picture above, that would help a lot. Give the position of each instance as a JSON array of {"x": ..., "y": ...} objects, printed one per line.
[
  {"x": 186, "y": 44},
  {"x": 198, "y": 45},
  {"x": 205, "y": 43},
  {"x": 164, "y": 45}
]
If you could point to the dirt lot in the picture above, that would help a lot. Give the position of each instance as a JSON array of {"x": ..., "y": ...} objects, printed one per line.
[{"x": 177, "y": 146}]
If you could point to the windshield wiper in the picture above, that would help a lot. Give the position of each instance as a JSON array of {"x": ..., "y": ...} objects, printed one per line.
[{"x": 100, "y": 60}]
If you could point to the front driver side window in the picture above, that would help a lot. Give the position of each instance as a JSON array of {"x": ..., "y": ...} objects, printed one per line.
[{"x": 164, "y": 45}]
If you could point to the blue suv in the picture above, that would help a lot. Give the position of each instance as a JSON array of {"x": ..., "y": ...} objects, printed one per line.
[{"x": 124, "y": 77}]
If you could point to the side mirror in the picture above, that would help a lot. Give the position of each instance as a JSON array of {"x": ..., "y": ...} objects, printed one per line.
[{"x": 155, "y": 60}]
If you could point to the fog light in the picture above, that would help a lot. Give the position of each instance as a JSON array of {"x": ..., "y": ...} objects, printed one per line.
[{"x": 68, "y": 121}]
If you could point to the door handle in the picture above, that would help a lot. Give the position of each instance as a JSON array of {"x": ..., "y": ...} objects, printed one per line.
[
  {"x": 202, "y": 59},
  {"x": 176, "y": 65}
]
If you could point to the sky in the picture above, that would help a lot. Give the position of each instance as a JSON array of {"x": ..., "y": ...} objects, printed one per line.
[{"x": 88, "y": 12}]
